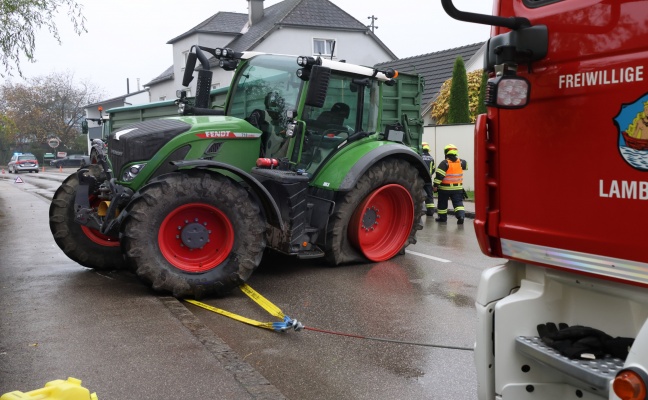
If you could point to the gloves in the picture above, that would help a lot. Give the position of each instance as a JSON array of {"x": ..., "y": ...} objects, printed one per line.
[{"x": 583, "y": 342}]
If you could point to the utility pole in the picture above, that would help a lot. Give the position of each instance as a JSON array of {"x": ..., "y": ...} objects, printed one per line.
[{"x": 372, "y": 26}]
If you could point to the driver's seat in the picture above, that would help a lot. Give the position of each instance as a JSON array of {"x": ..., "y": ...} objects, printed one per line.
[{"x": 339, "y": 112}]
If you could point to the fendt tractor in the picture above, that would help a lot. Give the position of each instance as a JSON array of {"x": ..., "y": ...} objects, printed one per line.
[
  {"x": 561, "y": 190},
  {"x": 309, "y": 157}
]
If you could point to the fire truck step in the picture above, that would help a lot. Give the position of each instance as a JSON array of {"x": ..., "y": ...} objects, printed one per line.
[{"x": 595, "y": 373}]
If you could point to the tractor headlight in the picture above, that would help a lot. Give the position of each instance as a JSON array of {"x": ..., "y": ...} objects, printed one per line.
[
  {"x": 132, "y": 172},
  {"x": 228, "y": 65},
  {"x": 303, "y": 74},
  {"x": 290, "y": 129},
  {"x": 305, "y": 61}
]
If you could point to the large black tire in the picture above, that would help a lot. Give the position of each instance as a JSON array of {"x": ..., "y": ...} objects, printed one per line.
[
  {"x": 193, "y": 234},
  {"x": 391, "y": 176},
  {"x": 86, "y": 246}
]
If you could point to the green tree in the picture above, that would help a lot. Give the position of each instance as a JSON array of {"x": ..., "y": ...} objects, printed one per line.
[
  {"x": 481, "y": 107},
  {"x": 458, "y": 111},
  {"x": 21, "y": 19},
  {"x": 47, "y": 106},
  {"x": 7, "y": 138}
]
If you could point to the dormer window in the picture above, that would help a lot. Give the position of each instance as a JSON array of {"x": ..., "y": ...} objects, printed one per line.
[{"x": 323, "y": 47}]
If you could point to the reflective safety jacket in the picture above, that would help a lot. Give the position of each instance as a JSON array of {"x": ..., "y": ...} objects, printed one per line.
[
  {"x": 429, "y": 161},
  {"x": 449, "y": 173}
]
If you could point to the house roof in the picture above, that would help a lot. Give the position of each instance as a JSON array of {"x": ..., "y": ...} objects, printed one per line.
[
  {"x": 435, "y": 68},
  {"x": 320, "y": 14},
  {"x": 164, "y": 76},
  {"x": 224, "y": 23},
  {"x": 118, "y": 98}
]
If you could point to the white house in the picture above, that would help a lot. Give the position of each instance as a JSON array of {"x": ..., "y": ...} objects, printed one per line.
[{"x": 300, "y": 27}]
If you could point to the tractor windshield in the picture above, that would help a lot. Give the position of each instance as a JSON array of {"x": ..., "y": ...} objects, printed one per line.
[{"x": 267, "y": 84}]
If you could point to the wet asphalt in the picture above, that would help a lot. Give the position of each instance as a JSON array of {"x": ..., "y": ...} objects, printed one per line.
[
  {"x": 124, "y": 341},
  {"x": 60, "y": 320}
]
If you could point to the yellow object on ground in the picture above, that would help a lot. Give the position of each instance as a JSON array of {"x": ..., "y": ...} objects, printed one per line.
[{"x": 54, "y": 390}]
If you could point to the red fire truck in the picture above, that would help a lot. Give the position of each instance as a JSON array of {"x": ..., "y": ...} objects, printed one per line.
[{"x": 561, "y": 190}]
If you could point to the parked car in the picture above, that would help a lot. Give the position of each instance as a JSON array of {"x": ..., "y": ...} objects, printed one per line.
[
  {"x": 74, "y": 160},
  {"x": 23, "y": 162}
]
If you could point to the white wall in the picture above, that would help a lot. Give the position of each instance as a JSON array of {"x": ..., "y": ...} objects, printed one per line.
[
  {"x": 138, "y": 98},
  {"x": 181, "y": 46},
  {"x": 166, "y": 88},
  {"x": 354, "y": 47},
  {"x": 462, "y": 136}
]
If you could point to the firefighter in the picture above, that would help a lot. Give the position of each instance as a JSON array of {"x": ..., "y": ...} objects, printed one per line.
[
  {"x": 429, "y": 194},
  {"x": 448, "y": 183}
]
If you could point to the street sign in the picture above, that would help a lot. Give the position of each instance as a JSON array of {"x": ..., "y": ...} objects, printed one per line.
[
  {"x": 53, "y": 143},
  {"x": 61, "y": 154}
]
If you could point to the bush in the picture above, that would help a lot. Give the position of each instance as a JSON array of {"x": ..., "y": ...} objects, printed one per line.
[{"x": 440, "y": 106}]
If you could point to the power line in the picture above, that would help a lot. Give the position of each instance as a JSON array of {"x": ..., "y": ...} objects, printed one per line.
[{"x": 372, "y": 26}]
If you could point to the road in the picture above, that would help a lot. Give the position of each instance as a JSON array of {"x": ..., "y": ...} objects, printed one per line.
[{"x": 398, "y": 329}]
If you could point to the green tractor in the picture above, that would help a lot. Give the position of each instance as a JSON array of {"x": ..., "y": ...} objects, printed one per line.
[{"x": 309, "y": 157}]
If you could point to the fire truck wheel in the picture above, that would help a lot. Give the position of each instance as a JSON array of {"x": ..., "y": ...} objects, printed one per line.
[
  {"x": 378, "y": 218},
  {"x": 193, "y": 234},
  {"x": 86, "y": 246}
]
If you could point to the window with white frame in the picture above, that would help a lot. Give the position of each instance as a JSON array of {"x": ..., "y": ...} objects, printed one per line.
[{"x": 323, "y": 47}]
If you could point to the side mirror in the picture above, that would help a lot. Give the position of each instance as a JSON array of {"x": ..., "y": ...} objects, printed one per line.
[
  {"x": 189, "y": 69},
  {"x": 84, "y": 127},
  {"x": 318, "y": 86}
]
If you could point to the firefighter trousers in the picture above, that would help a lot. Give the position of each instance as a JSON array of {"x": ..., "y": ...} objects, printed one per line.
[
  {"x": 456, "y": 196},
  {"x": 429, "y": 199}
]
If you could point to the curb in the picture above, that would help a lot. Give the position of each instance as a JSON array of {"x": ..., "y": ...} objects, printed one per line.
[{"x": 249, "y": 378}]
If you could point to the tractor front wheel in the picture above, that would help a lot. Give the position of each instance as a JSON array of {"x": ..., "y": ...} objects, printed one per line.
[
  {"x": 193, "y": 234},
  {"x": 84, "y": 245},
  {"x": 378, "y": 218}
]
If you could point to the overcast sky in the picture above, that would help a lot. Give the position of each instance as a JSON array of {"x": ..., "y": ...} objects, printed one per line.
[{"x": 127, "y": 38}]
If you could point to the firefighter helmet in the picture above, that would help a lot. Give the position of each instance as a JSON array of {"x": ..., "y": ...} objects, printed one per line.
[
  {"x": 425, "y": 146},
  {"x": 450, "y": 149}
]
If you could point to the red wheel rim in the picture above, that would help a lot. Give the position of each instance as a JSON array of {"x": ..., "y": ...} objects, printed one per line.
[
  {"x": 381, "y": 224},
  {"x": 196, "y": 237},
  {"x": 93, "y": 234},
  {"x": 99, "y": 238}
]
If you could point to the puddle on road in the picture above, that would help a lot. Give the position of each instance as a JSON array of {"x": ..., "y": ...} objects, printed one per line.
[{"x": 441, "y": 291}]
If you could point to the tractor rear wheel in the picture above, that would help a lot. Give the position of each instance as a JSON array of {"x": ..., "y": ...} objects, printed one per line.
[
  {"x": 84, "y": 245},
  {"x": 193, "y": 234},
  {"x": 378, "y": 218}
]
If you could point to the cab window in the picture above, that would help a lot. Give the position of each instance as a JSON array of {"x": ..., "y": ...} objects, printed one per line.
[{"x": 351, "y": 106}]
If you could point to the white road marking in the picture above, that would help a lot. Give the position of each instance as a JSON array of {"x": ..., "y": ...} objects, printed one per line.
[{"x": 426, "y": 256}]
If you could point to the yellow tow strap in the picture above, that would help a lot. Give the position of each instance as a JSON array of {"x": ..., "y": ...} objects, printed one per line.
[{"x": 283, "y": 326}]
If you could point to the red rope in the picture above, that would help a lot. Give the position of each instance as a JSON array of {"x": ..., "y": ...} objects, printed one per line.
[
  {"x": 388, "y": 340},
  {"x": 334, "y": 333}
]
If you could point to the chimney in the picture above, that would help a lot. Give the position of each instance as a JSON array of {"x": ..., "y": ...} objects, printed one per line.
[{"x": 255, "y": 11}]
